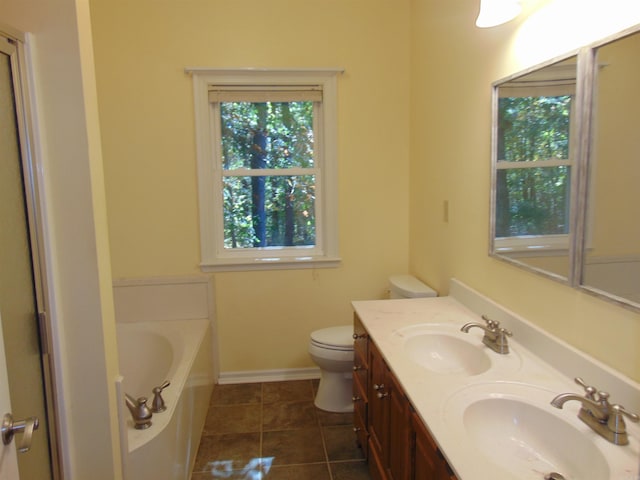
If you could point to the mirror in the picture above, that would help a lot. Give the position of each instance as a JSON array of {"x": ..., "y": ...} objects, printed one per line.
[
  {"x": 533, "y": 158},
  {"x": 566, "y": 169},
  {"x": 611, "y": 260}
]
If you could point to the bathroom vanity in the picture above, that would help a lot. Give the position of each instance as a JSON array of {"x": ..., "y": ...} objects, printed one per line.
[
  {"x": 435, "y": 403},
  {"x": 390, "y": 432}
]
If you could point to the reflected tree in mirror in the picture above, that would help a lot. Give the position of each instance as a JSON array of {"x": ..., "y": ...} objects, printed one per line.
[{"x": 532, "y": 189}]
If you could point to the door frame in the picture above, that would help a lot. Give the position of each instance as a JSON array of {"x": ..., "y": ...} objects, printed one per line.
[{"x": 25, "y": 125}]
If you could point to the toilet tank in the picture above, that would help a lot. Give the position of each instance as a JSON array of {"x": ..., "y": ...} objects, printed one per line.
[{"x": 407, "y": 286}]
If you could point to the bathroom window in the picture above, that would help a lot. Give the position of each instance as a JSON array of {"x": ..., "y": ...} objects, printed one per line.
[{"x": 267, "y": 168}]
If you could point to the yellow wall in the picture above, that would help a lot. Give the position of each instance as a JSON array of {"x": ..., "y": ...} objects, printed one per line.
[
  {"x": 453, "y": 65},
  {"x": 414, "y": 116},
  {"x": 147, "y": 126}
]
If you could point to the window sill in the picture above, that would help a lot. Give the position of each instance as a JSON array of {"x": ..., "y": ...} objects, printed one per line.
[
  {"x": 269, "y": 263},
  {"x": 532, "y": 245}
]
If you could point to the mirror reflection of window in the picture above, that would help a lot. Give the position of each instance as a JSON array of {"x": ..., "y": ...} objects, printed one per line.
[{"x": 533, "y": 166}]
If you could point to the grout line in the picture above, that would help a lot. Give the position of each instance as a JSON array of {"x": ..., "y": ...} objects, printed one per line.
[
  {"x": 322, "y": 436},
  {"x": 261, "y": 419}
]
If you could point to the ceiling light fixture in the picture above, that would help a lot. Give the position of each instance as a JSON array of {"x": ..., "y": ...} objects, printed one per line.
[{"x": 497, "y": 12}]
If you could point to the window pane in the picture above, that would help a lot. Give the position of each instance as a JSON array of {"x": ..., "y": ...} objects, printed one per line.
[
  {"x": 267, "y": 135},
  {"x": 533, "y": 128},
  {"x": 532, "y": 201},
  {"x": 269, "y": 211}
]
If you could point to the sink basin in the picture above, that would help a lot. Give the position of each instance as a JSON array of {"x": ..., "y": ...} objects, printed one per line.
[
  {"x": 447, "y": 354},
  {"x": 524, "y": 436}
]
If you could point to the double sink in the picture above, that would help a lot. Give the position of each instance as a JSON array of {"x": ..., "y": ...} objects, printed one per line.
[{"x": 491, "y": 413}]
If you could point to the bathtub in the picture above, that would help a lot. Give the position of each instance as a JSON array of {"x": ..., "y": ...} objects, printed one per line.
[{"x": 149, "y": 354}]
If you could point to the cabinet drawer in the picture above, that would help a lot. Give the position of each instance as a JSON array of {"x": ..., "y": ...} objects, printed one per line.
[
  {"x": 361, "y": 371},
  {"x": 360, "y": 428},
  {"x": 359, "y": 401},
  {"x": 360, "y": 338}
]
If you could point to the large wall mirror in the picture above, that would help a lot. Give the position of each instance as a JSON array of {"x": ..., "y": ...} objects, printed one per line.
[{"x": 565, "y": 193}]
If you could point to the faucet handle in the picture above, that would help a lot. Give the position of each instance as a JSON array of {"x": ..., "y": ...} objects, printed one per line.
[
  {"x": 491, "y": 324},
  {"x": 620, "y": 410},
  {"x": 589, "y": 390},
  {"x": 506, "y": 332},
  {"x": 616, "y": 423},
  {"x": 158, "y": 404}
]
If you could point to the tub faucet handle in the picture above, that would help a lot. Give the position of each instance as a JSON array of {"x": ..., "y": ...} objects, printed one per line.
[{"x": 157, "y": 405}]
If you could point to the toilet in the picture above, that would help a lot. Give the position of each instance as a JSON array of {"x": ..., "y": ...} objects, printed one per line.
[{"x": 332, "y": 350}]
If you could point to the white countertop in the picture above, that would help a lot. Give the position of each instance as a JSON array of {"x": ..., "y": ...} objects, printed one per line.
[{"x": 440, "y": 398}]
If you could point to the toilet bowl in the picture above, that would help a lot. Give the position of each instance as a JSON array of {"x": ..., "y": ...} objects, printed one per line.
[{"x": 332, "y": 351}]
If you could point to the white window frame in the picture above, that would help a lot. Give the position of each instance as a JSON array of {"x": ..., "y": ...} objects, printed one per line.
[{"x": 214, "y": 257}]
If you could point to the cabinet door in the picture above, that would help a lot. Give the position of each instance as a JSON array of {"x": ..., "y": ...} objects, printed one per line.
[
  {"x": 399, "y": 440},
  {"x": 425, "y": 460},
  {"x": 378, "y": 411},
  {"x": 360, "y": 416},
  {"x": 429, "y": 463}
]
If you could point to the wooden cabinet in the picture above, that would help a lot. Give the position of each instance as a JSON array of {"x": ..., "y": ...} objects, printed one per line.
[
  {"x": 428, "y": 461},
  {"x": 360, "y": 385},
  {"x": 394, "y": 439},
  {"x": 399, "y": 434}
]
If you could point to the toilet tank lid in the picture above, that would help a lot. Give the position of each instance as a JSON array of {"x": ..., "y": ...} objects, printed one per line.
[
  {"x": 409, "y": 286},
  {"x": 334, "y": 336}
]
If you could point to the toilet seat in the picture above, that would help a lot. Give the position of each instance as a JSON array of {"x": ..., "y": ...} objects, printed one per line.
[{"x": 334, "y": 338}]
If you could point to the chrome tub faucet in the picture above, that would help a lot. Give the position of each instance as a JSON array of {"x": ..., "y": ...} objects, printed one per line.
[
  {"x": 596, "y": 411},
  {"x": 140, "y": 412},
  {"x": 495, "y": 337}
]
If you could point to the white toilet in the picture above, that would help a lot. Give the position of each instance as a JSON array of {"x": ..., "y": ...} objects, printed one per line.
[{"x": 332, "y": 350}]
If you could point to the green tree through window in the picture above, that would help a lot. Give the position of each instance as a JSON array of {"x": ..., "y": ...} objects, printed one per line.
[{"x": 268, "y": 174}]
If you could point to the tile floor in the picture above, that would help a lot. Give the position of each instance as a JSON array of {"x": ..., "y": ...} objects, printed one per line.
[{"x": 273, "y": 431}]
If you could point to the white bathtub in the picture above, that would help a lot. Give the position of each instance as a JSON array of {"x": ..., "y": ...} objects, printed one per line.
[{"x": 149, "y": 354}]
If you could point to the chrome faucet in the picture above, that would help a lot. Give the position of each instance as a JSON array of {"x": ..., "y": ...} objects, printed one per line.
[
  {"x": 139, "y": 411},
  {"x": 596, "y": 411},
  {"x": 495, "y": 337}
]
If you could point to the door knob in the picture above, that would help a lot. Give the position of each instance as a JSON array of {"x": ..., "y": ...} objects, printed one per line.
[{"x": 10, "y": 427}]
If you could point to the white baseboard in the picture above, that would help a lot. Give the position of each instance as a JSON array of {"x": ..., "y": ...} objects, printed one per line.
[{"x": 257, "y": 376}]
